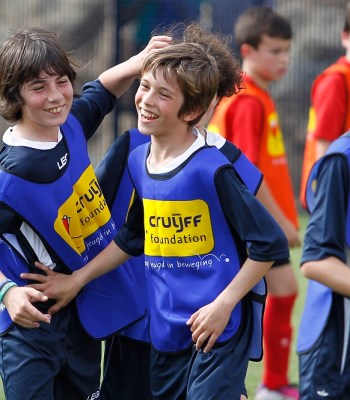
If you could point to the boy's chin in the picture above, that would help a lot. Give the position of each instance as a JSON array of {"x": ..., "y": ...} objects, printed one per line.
[{"x": 144, "y": 128}]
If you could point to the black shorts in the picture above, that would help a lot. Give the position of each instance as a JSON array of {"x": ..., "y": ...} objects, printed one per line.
[
  {"x": 194, "y": 375},
  {"x": 58, "y": 361},
  {"x": 325, "y": 369},
  {"x": 280, "y": 263},
  {"x": 126, "y": 370}
]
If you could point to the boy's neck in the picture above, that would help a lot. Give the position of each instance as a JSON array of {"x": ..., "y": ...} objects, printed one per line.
[
  {"x": 257, "y": 78},
  {"x": 25, "y": 132},
  {"x": 165, "y": 149}
]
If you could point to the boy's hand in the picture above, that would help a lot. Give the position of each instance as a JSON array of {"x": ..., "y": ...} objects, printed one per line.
[
  {"x": 54, "y": 285},
  {"x": 156, "y": 42},
  {"x": 208, "y": 323},
  {"x": 18, "y": 302}
]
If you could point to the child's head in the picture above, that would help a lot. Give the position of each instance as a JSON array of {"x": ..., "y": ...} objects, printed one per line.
[
  {"x": 257, "y": 22},
  {"x": 193, "y": 70},
  {"x": 346, "y": 27},
  {"x": 25, "y": 55},
  {"x": 218, "y": 46},
  {"x": 264, "y": 39}
]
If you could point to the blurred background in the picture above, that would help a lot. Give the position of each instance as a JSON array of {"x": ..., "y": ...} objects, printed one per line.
[{"x": 101, "y": 33}]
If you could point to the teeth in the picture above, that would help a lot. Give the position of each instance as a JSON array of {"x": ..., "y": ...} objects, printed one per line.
[
  {"x": 148, "y": 115},
  {"x": 55, "y": 110}
]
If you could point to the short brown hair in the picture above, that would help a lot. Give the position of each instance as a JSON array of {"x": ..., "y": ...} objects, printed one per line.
[
  {"x": 217, "y": 45},
  {"x": 23, "y": 56},
  {"x": 347, "y": 18},
  {"x": 195, "y": 71},
  {"x": 257, "y": 21}
]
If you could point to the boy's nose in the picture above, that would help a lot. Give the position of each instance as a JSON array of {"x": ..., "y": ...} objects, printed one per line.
[
  {"x": 54, "y": 94},
  {"x": 148, "y": 97}
]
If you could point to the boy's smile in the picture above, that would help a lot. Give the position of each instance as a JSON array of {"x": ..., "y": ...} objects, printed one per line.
[
  {"x": 158, "y": 102},
  {"x": 47, "y": 102}
]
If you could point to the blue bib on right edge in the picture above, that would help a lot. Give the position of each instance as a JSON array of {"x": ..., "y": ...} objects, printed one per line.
[{"x": 319, "y": 297}]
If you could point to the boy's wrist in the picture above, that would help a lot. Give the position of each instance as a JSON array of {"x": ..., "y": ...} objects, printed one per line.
[{"x": 5, "y": 288}]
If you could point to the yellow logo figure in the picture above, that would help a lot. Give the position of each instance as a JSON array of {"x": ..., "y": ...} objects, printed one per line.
[
  {"x": 275, "y": 145},
  {"x": 177, "y": 228},
  {"x": 83, "y": 213},
  {"x": 311, "y": 126}
]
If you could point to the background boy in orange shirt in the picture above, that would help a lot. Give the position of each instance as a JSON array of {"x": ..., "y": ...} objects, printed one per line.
[{"x": 250, "y": 121}]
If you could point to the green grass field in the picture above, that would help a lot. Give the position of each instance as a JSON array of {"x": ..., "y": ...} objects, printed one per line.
[{"x": 254, "y": 371}]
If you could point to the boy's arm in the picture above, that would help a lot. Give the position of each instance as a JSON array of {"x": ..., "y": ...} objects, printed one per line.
[
  {"x": 119, "y": 78},
  {"x": 331, "y": 272},
  {"x": 208, "y": 323},
  {"x": 254, "y": 225},
  {"x": 264, "y": 195},
  {"x": 329, "y": 99},
  {"x": 18, "y": 302},
  {"x": 324, "y": 258},
  {"x": 63, "y": 288},
  {"x": 244, "y": 120}
]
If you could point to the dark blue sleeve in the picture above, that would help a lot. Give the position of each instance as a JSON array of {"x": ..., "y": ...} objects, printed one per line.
[
  {"x": 112, "y": 167},
  {"x": 325, "y": 232},
  {"x": 94, "y": 103},
  {"x": 9, "y": 220},
  {"x": 250, "y": 222},
  {"x": 131, "y": 236}
]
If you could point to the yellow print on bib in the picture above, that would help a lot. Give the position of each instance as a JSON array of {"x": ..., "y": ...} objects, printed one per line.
[
  {"x": 275, "y": 145},
  {"x": 312, "y": 120},
  {"x": 177, "y": 228},
  {"x": 83, "y": 213}
]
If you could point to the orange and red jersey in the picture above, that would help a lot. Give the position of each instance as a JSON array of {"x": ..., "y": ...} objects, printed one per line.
[
  {"x": 329, "y": 115},
  {"x": 250, "y": 121}
]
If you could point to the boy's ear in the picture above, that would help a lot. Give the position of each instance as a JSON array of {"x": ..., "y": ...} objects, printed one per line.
[
  {"x": 192, "y": 115},
  {"x": 345, "y": 39},
  {"x": 246, "y": 50}
]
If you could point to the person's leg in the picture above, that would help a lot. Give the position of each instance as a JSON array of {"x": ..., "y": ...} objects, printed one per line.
[
  {"x": 220, "y": 374},
  {"x": 30, "y": 360},
  {"x": 79, "y": 377},
  {"x": 282, "y": 292},
  {"x": 321, "y": 374},
  {"x": 127, "y": 371},
  {"x": 169, "y": 375}
]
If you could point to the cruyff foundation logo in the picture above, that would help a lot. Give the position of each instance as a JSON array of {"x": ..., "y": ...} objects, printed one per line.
[
  {"x": 177, "y": 228},
  {"x": 275, "y": 145},
  {"x": 83, "y": 213}
]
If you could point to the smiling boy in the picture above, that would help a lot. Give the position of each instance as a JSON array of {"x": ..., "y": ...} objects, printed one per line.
[
  {"x": 47, "y": 188},
  {"x": 200, "y": 319}
]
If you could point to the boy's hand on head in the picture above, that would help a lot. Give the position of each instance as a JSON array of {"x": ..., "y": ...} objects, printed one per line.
[
  {"x": 18, "y": 302},
  {"x": 156, "y": 42},
  {"x": 208, "y": 323},
  {"x": 54, "y": 285}
]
